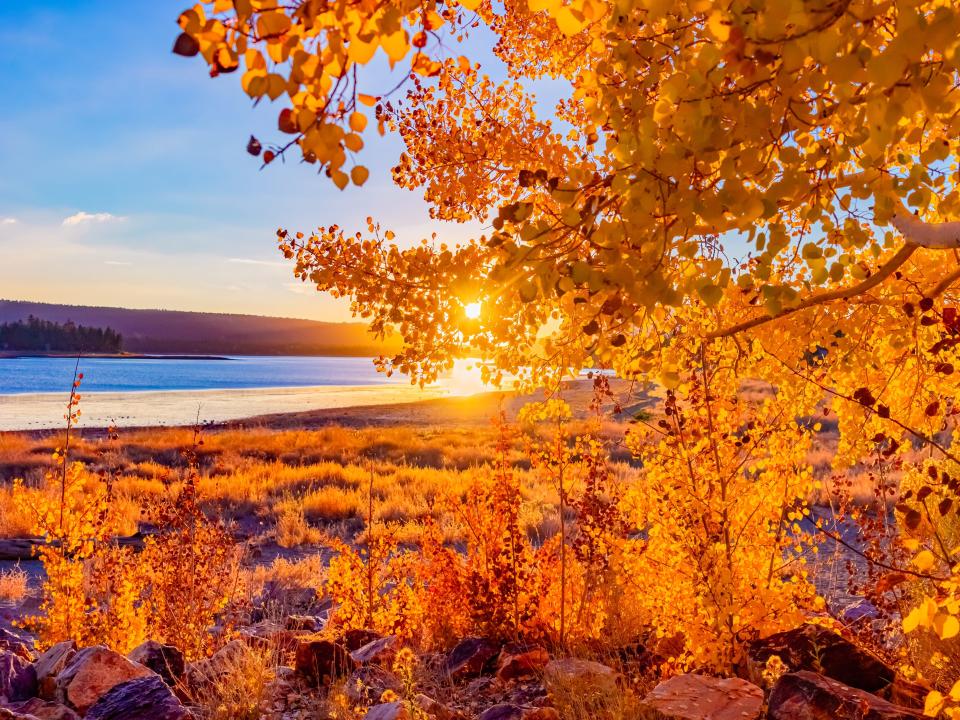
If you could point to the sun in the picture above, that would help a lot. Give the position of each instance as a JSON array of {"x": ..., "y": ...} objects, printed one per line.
[{"x": 472, "y": 310}]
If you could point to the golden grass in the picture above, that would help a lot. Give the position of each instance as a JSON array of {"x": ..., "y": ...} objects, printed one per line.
[{"x": 13, "y": 584}]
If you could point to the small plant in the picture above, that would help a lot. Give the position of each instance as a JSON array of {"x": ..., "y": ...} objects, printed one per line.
[{"x": 13, "y": 584}]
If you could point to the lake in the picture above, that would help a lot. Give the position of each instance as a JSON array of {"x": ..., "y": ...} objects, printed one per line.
[
  {"x": 55, "y": 374},
  {"x": 135, "y": 392}
]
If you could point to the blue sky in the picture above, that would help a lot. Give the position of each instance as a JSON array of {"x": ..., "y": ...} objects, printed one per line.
[{"x": 124, "y": 178}]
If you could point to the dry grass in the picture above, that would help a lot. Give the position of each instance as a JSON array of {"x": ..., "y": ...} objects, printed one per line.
[{"x": 13, "y": 585}]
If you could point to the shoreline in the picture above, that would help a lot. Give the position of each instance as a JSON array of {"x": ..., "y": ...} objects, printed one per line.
[
  {"x": 28, "y": 412},
  {"x": 27, "y": 354}
]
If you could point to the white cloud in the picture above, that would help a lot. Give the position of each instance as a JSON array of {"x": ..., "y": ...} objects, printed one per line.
[
  {"x": 117, "y": 262},
  {"x": 253, "y": 261},
  {"x": 8, "y": 221},
  {"x": 83, "y": 218}
]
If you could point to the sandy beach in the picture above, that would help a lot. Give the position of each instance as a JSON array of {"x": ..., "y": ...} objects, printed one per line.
[{"x": 38, "y": 411}]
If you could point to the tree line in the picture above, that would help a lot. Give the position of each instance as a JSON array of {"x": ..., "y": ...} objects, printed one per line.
[{"x": 44, "y": 335}]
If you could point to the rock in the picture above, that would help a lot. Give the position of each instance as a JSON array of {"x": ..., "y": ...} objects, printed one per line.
[
  {"x": 701, "y": 697},
  {"x": 381, "y": 651},
  {"x": 818, "y": 649},
  {"x": 165, "y": 660},
  {"x": 277, "y": 595},
  {"x": 303, "y": 623},
  {"x": 437, "y": 710},
  {"x": 586, "y": 675},
  {"x": 145, "y": 698},
  {"x": 808, "y": 695},
  {"x": 11, "y": 642},
  {"x": 517, "y": 661},
  {"x": 356, "y": 639},
  {"x": 470, "y": 657},
  {"x": 267, "y": 635},
  {"x": 387, "y": 711},
  {"x": 91, "y": 673},
  {"x": 18, "y": 678},
  {"x": 367, "y": 684},
  {"x": 44, "y": 710},
  {"x": 321, "y": 661},
  {"x": 49, "y": 665},
  {"x": 6, "y": 714},
  {"x": 503, "y": 711},
  {"x": 208, "y": 670}
]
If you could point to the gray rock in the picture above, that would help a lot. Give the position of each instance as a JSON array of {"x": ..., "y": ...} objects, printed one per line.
[
  {"x": 471, "y": 657},
  {"x": 18, "y": 679},
  {"x": 49, "y": 665},
  {"x": 43, "y": 710},
  {"x": 808, "y": 695},
  {"x": 145, "y": 698},
  {"x": 165, "y": 660}
]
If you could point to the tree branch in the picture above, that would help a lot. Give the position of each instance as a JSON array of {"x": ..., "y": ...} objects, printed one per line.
[{"x": 887, "y": 269}]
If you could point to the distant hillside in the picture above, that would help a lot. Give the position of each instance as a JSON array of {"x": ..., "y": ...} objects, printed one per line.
[{"x": 178, "y": 332}]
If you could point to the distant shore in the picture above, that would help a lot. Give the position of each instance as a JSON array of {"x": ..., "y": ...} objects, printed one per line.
[{"x": 19, "y": 354}]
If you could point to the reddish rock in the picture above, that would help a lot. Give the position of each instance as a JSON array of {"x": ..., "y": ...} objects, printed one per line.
[
  {"x": 43, "y": 710},
  {"x": 209, "y": 670},
  {"x": 303, "y": 623},
  {"x": 368, "y": 683},
  {"x": 11, "y": 642},
  {"x": 437, "y": 710},
  {"x": 819, "y": 649},
  {"x": 165, "y": 660},
  {"x": 18, "y": 678},
  {"x": 380, "y": 651},
  {"x": 388, "y": 711},
  {"x": 49, "y": 665},
  {"x": 321, "y": 661},
  {"x": 808, "y": 695},
  {"x": 585, "y": 674},
  {"x": 701, "y": 697},
  {"x": 91, "y": 673},
  {"x": 519, "y": 661},
  {"x": 503, "y": 711},
  {"x": 145, "y": 698},
  {"x": 356, "y": 639},
  {"x": 470, "y": 658}
]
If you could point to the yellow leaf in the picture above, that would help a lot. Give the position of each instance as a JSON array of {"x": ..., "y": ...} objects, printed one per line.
[
  {"x": 568, "y": 23},
  {"x": 946, "y": 626},
  {"x": 339, "y": 178},
  {"x": 719, "y": 26},
  {"x": 359, "y": 174},
  {"x": 914, "y": 618},
  {"x": 933, "y": 704},
  {"x": 360, "y": 52},
  {"x": 395, "y": 45},
  {"x": 272, "y": 24},
  {"x": 358, "y": 121},
  {"x": 368, "y": 100},
  {"x": 924, "y": 560},
  {"x": 353, "y": 142},
  {"x": 470, "y": 4}
]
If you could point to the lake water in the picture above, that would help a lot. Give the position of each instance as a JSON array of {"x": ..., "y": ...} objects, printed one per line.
[
  {"x": 138, "y": 392},
  {"x": 55, "y": 375}
]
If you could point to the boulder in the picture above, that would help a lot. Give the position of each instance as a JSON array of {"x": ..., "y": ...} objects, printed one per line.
[
  {"x": 356, "y": 639},
  {"x": 278, "y": 595},
  {"x": 7, "y": 714},
  {"x": 380, "y": 651},
  {"x": 818, "y": 649},
  {"x": 268, "y": 635},
  {"x": 437, "y": 710},
  {"x": 321, "y": 661},
  {"x": 388, "y": 711},
  {"x": 471, "y": 657},
  {"x": 368, "y": 683},
  {"x": 502, "y": 711},
  {"x": 206, "y": 671},
  {"x": 303, "y": 623},
  {"x": 520, "y": 661},
  {"x": 49, "y": 665},
  {"x": 18, "y": 678},
  {"x": 165, "y": 660},
  {"x": 43, "y": 710},
  {"x": 701, "y": 697},
  {"x": 807, "y": 695},
  {"x": 145, "y": 698},
  {"x": 11, "y": 642},
  {"x": 585, "y": 675},
  {"x": 91, "y": 673}
]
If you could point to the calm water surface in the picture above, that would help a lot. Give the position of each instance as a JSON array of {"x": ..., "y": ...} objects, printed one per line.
[{"x": 54, "y": 375}]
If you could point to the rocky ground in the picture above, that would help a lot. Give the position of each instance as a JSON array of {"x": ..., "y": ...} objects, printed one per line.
[{"x": 810, "y": 673}]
